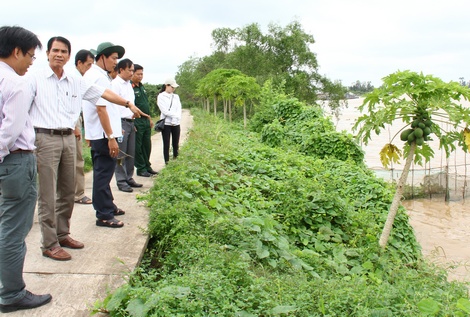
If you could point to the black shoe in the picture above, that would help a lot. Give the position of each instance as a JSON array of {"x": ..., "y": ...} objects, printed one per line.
[
  {"x": 151, "y": 171},
  {"x": 132, "y": 183},
  {"x": 125, "y": 189},
  {"x": 29, "y": 301},
  {"x": 144, "y": 174}
]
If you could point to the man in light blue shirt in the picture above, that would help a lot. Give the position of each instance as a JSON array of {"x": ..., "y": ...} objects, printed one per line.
[{"x": 18, "y": 174}]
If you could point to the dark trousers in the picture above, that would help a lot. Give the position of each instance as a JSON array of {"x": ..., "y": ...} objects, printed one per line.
[
  {"x": 18, "y": 194},
  {"x": 143, "y": 145},
  {"x": 174, "y": 132},
  {"x": 103, "y": 171}
]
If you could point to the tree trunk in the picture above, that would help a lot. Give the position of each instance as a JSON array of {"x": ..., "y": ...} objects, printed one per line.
[
  {"x": 397, "y": 198},
  {"x": 244, "y": 115},
  {"x": 230, "y": 110},
  {"x": 225, "y": 109},
  {"x": 215, "y": 105}
]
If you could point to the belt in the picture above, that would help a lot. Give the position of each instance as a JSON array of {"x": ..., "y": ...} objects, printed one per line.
[
  {"x": 54, "y": 132},
  {"x": 127, "y": 120},
  {"x": 19, "y": 151}
]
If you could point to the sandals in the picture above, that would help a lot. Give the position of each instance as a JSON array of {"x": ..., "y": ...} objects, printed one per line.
[
  {"x": 119, "y": 212},
  {"x": 110, "y": 223},
  {"x": 84, "y": 201}
]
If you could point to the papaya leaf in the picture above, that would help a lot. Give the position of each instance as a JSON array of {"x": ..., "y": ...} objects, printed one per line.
[{"x": 389, "y": 153}]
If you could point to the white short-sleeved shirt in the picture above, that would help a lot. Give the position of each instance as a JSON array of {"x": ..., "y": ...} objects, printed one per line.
[
  {"x": 57, "y": 102},
  {"x": 93, "y": 128},
  {"x": 124, "y": 89}
]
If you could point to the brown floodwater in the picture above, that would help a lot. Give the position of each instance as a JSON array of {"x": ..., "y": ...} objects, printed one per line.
[{"x": 442, "y": 228}]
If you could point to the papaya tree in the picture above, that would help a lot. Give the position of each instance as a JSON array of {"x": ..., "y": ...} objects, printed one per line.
[
  {"x": 241, "y": 88},
  {"x": 418, "y": 103}
]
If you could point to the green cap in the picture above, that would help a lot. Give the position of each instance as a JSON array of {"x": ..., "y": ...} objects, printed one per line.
[{"x": 108, "y": 47}]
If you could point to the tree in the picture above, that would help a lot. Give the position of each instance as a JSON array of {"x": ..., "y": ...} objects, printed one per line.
[
  {"x": 419, "y": 102},
  {"x": 212, "y": 85},
  {"x": 241, "y": 88}
]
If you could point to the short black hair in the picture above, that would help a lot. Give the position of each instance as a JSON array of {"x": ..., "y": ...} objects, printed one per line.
[
  {"x": 82, "y": 56},
  {"x": 59, "y": 39},
  {"x": 137, "y": 67},
  {"x": 12, "y": 37},
  {"x": 123, "y": 64}
]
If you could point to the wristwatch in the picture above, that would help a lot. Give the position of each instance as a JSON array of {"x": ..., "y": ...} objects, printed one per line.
[
  {"x": 127, "y": 104},
  {"x": 111, "y": 136}
]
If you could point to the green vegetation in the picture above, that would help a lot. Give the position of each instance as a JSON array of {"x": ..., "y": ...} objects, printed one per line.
[
  {"x": 265, "y": 223},
  {"x": 281, "y": 54}
]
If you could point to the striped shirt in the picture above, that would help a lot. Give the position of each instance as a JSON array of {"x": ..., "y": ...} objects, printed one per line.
[
  {"x": 57, "y": 102},
  {"x": 16, "y": 129}
]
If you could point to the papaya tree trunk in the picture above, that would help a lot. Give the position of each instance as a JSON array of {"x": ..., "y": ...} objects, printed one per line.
[
  {"x": 244, "y": 115},
  {"x": 397, "y": 198},
  {"x": 225, "y": 109},
  {"x": 215, "y": 105}
]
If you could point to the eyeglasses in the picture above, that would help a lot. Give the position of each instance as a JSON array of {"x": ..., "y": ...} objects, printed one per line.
[{"x": 32, "y": 56}]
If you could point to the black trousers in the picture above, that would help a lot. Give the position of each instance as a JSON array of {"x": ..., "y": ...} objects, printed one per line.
[
  {"x": 103, "y": 171},
  {"x": 174, "y": 132}
]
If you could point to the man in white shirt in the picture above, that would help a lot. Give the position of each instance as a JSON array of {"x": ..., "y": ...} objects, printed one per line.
[
  {"x": 83, "y": 61},
  {"x": 102, "y": 127},
  {"x": 54, "y": 112},
  {"x": 121, "y": 85},
  {"x": 18, "y": 173}
]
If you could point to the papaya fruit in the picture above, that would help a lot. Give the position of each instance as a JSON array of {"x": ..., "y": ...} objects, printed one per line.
[
  {"x": 418, "y": 133},
  {"x": 419, "y": 141},
  {"x": 404, "y": 134}
]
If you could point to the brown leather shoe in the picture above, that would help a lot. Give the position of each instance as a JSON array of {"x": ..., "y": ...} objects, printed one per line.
[
  {"x": 57, "y": 253},
  {"x": 71, "y": 243}
]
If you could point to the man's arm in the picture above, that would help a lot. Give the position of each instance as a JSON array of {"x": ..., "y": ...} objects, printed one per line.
[{"x": 118, "y": 100}]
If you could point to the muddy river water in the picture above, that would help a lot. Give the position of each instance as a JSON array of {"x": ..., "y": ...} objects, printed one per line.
[{"x": 442, "y": 228}]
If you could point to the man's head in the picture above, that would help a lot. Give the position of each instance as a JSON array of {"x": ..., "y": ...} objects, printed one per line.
[
  {"x": 125, "y": 69},
  {"x": 107, "y": 55},
  {"x": 83, "y": 61},
  {"x": 17, "y": 46},
  {"x": 138, "y": 74},
  {"x": 58, "y": 52}
]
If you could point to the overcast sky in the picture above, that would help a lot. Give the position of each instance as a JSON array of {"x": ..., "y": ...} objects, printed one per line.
[{"x": 354, "y": 39}]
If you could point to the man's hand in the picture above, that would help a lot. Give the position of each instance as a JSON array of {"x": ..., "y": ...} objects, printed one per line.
[
  {"x": 78, "y": 133},
  {"x": 137, "y": 112},
  {"x": 113, "y": 148}
]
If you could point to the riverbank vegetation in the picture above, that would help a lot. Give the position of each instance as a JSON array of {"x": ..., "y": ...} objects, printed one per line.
[{"x": 244, "y": 226}]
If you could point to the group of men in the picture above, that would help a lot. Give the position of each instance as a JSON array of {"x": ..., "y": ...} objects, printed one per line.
[{"x": 39, "y": 134}]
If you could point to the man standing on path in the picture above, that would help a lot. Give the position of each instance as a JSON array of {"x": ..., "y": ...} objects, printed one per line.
[
  {"x": 143, "y": 143},
  {"x": 18, "y": 174},
  {"x": 54, "y": 112},
  {"x": 83, "y": 61},
  {"x": 125, "y": 163},
  {"x": 102, "y": 127}
]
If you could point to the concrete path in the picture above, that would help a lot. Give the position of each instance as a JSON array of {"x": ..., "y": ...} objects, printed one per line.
[{"x": 109, "y": 254}]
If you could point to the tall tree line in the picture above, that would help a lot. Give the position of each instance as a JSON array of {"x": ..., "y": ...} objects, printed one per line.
[{"x": 282, "y": 54}]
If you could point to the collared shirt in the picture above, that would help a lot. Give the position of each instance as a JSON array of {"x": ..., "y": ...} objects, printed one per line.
[
  {"x": 170, "y": 108},
  {"x": 16, "y": 128},
  {"x": 93, "y": 128},
  {"x": 124, "y": 89},
  {"x": 57, "y": 102}
]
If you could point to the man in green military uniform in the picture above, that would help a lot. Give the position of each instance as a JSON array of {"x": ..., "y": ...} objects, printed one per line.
[{"x": 143, "y": 144}]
